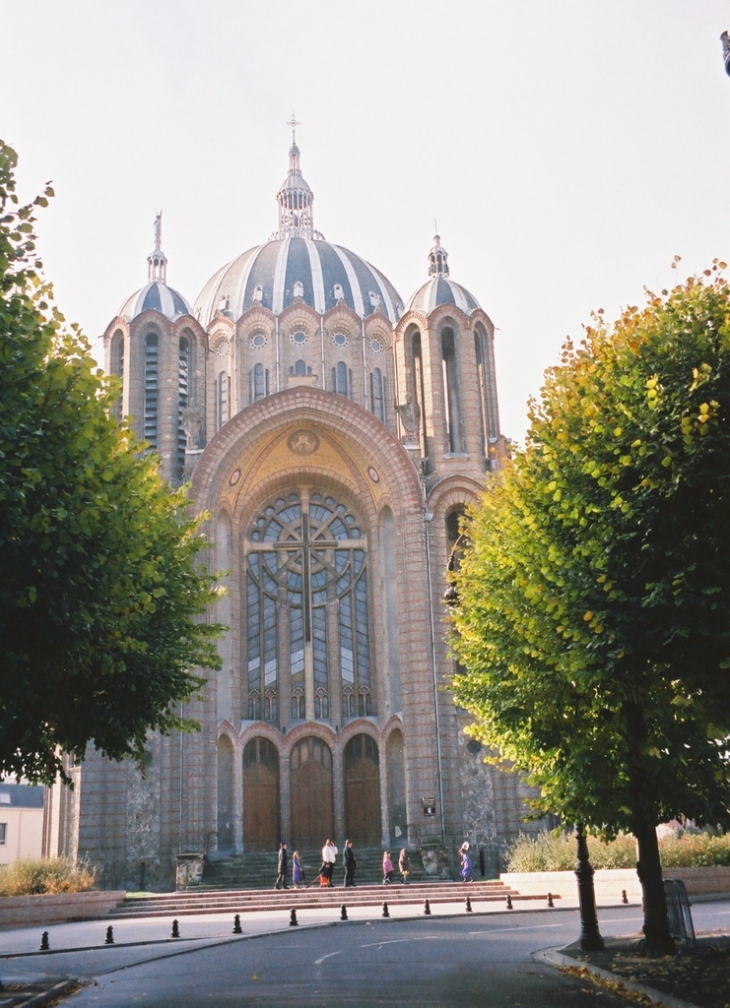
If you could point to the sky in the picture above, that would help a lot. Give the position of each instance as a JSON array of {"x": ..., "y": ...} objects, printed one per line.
[{"x": 568, "y": 149}]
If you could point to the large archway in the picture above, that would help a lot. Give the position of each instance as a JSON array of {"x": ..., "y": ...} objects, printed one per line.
[
  {"x": 362, "y": 791},
  {"x": 261, "y": 827},
  {"x": 312, "y": 804}
]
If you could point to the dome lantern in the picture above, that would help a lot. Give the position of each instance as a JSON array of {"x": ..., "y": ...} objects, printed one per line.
[
  {"x": 295, "y": 198},
  {"x": 157, "y": 260},
  {"x": 438, "y": 259}
]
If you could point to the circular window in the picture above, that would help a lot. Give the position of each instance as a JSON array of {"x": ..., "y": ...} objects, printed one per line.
[
  {"x": 222, "y": 348},
  {"x": 376, "y": 346},
  {"x": 258, "y": 340},
  {"x": 340, "y": 339},
  {"x": 299, "y": 337}
]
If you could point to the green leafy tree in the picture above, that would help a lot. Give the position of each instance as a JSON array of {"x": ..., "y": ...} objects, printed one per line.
[
  {"x": 102, "y": 594},
  {"x": 593, "y": 612}
]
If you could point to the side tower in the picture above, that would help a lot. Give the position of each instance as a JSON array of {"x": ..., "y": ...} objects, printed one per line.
[{"x": 158, "y": 351}]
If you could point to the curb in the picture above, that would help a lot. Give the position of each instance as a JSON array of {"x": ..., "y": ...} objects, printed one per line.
[
  {"x": 58, "y": 990},
  {"x": 553, "y": 957}
]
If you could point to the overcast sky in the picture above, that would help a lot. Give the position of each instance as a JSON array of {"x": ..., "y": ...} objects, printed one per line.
[{"x": 567, "y": 148}]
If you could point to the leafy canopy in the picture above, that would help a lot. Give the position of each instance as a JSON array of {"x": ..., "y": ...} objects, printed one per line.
[
  {"x": 102, "y": 594},
  {"x": 594, "y": 604}
]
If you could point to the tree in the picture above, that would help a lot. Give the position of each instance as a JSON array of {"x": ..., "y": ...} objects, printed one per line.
[
  {"x": 593, "y": 613},
  {"x": 102, "y": 595}
]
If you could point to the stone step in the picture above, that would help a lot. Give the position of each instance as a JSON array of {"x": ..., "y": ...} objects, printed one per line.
[{"x": 247, "y": 901}]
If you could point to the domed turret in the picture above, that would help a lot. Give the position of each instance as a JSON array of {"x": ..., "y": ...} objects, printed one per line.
[
  {"x": 156, "y": 294},
  {"x": 439, "y": 288}
]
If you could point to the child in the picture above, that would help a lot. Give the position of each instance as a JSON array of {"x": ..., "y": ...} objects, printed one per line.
[
  {"x": 297, "y": 869},
  {"x": 387, "y": 868}
]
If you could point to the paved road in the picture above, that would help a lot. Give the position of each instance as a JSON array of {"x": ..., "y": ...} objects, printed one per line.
[
  {"x": 421, "y": 963},
  {"x": 460, "y": 962}
]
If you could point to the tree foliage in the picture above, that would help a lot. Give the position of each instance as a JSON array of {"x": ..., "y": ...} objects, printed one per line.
[
  {"x": 594, "y": 606},
  {"x": 102, "y": 593}
]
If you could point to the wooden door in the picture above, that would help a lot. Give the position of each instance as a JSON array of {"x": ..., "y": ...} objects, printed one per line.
[
  {"x": 362, "y": 791},
  {"x": 312, "y": 803},
  {"x": 260, "y": 796}
]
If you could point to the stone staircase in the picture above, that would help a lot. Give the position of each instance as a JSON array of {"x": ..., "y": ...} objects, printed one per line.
[
  {"x": 257, "y": 870},
  {"x": 249, "y": 900}
]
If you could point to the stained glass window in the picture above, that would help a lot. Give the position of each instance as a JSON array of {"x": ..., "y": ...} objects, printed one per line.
[{"x": 307, "y": 610}]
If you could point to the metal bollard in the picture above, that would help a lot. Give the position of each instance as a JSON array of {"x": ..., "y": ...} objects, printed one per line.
[
  {"x": 343, "y": 912},
  {"x": 468, "y": 905},
  {"x": 175, "y": 930},
  {"x": 293, "y": 918},
  {"x": 109, "y": 940},
  {"x": 509, "y": 902},
  {"x": 550, "y": 900},
  {"x": 624, "y": 897},
  {"x": 426, "y": 908},
  {"x": 44, "y": 942},
  {"x": 237, "y": 929},
  {"x": 386, "y": 911}
]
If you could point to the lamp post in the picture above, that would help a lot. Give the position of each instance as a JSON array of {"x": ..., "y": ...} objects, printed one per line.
[{"x": 590, "y": 936}]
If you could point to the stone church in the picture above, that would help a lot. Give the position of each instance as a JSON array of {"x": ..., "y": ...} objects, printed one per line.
[{"x": 334, "y": 432}]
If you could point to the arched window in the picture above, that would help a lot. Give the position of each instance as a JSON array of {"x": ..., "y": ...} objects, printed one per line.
[
  {"x": 377, "y": 394},
  {"x": 307, "y": 609},
  {"x": 482, "y": 379},
  {"x": 151, "y": 389},
  {"x": 341, "y": 380},
  {"x": 183, "y": 398},
  {"x": 452, "y": 405},
  {"x": 300, "y": 368},
  {"x": 258, "y": 383},
  {"x": 117, "y": 368},
  {"x": 222, "y": 393}
]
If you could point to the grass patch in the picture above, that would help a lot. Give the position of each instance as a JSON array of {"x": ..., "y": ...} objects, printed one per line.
[{"x": 557, "y": 852}]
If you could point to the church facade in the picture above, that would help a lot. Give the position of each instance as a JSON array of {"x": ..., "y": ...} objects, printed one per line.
[{"x": 334, "y": 433}]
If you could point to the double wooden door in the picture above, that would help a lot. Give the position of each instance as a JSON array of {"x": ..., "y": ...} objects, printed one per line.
[
  {"x": 261, "y": 823},
  {"x": 362, "y": 791},
  {"x": 312, "y": 805}
]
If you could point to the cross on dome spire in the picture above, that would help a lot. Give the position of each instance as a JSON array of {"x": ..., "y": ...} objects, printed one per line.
[
  {"x": 293, "y": 122},
  {"x": 157, "y": 260}
]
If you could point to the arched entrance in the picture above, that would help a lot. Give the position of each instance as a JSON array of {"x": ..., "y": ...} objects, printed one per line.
[
  {"x": 260, "y": 795},
  {"x": 362, "y": 791},
  {"x": 312, "y": 805}
]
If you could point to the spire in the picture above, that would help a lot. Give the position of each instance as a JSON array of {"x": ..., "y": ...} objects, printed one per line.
[
  {"x": 295, "y": 198},
  {"x": 438, "y": 259},
  {"x": 157, "y": 260}
]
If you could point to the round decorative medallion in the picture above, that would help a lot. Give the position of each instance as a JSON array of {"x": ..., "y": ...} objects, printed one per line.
[
  {"x": 222, "y": 348},
  {"x": 235, "y": 477},
  {"x": 299, "y": 337},
  {"x": 303, "y": 442},
  {"x": 376, "y": 346},
  {"x": 258, "y": 340},
  {"x": 340, "y": 339},
  {"x": 373, "y": 474}
]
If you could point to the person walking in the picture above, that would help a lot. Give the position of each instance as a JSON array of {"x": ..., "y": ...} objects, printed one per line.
[
  {"x": 348, "y": 857},
  {"x": 404, "y": 865},
  {"x": 282, "y": 868},
  {"x": 466, "y": 863},
  {"x": 329, "y": 856},
  {"x": 387, "y": 868},
  {"x": 297, "y": 869}
]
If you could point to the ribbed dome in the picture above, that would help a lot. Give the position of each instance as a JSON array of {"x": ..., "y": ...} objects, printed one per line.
[
  {"x": 159, "y": 296},
  {"x": 276, "y": 274},
  {"x": 440, "y": 290}
]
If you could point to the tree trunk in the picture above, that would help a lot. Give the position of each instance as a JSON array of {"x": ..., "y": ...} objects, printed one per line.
[{"x": 659, "y": 941}]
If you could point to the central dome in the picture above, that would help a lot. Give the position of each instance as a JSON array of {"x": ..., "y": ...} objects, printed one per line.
[
  {"x": 284, "y": 270},
  {"x": 297, "y": 263}
]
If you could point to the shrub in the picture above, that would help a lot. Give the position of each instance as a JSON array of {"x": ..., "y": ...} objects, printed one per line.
[
  {"x": 46, "y": 875},
  {"x": 557, "y": 851}
]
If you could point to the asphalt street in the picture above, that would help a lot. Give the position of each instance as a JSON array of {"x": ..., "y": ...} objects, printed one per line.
[{"x": 459, "y": 962}]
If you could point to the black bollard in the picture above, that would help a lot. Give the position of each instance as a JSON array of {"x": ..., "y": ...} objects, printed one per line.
[
  {"x": 386, "y": 911},
  {"x": 237, "y": 929},
  {"x": 109, "y": 940},
  {"x": 343, "y": 912},
  {"x": 175, "y": 930},
  {"x": 293, "y": 918},
  {"x": 624, "y": 897},
  {"x": 44, "y": 942},
  {"x": 426, "y": 908},
  {"x": 550, "y": 900},
  {"x": 468, "y": 905},
  {"x": 509, "y": 902}
]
